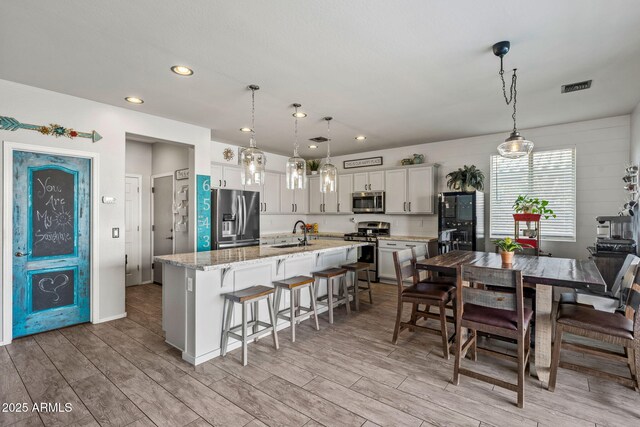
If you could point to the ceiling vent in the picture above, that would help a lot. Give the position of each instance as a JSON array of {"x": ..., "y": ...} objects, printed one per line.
[
  {"x": 574, "y": 87},
  {"x": 318, "y": 139}
]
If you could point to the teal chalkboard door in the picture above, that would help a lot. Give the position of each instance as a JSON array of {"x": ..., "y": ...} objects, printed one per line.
[{"x": 51, "y": 241}]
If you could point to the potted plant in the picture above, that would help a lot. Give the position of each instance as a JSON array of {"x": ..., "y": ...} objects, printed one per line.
[
  {"x": 531, "y": 209},
  {"x": 507, "y": 246},
  {"x": 313, "y": 166},
  {"x": 466, "y": 179}
]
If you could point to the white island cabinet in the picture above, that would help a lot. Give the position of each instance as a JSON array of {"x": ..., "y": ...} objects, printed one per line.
[{"x": 194, "y": 284}]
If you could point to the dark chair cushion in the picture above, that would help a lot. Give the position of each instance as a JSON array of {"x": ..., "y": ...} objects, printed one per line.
[
  {"x": 429, "y": 290},
  {"x": 579, "y": 316},
  {"x": 441, "y": 279},
  {"x": 507, "y": 319}
]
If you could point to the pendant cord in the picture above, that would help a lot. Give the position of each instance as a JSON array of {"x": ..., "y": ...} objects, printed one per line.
[
  {"x": 252, "y": 143},
  {"x": 328, "y": 141},
  {"x": 295, "y": 141},
  {"x": 513, "y": 92}
]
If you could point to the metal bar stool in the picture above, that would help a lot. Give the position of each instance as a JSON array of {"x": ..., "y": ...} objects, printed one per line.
[
  {"x": 296, "y": 312},
  {"x": 249, "y": 298},
  {"x": 356, "y": 268},
  {"x": 330, "y": 275}
]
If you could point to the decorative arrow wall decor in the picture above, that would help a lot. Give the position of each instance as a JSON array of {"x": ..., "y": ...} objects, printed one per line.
[{"x": 9, "y": 123}]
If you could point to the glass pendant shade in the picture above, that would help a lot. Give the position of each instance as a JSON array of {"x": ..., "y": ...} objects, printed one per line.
[
  {"x": 515, "y": 146},
  {"x": 296, "y": 170},
  {"x": 328, "y": 178},
  {"x": 252, "y": 162}
]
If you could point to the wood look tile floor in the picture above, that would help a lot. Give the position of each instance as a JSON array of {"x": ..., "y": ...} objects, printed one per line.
[{"x": 123, "y": 373}]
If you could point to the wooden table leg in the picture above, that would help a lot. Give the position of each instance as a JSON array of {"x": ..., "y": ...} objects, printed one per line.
[{"x": 544, "y": 329}]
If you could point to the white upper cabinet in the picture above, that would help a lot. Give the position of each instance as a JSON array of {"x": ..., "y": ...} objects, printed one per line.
[
  {"x": 287, "y": 197},
  {"x": 368, "y": 181},
  {"x": 226, "y": 177},
  {"x": 270, "y": 197},
  {"x": 360, "y": 182},
  {"x": 216, "y": 176},
  {"x": 301, "y": 201},
  {"x": 330, "y": 202},
  {"x": 316, "y": 201},
  {"x": 410, "y": 190},
  {"x": 396, "y": 191},
  {"x": 345, "y": 189},
  {"x": 421, "y": 192},
  {"x": 376, "y": 181}
]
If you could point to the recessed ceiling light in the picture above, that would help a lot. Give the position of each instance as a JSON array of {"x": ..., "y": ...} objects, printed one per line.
[
  {"x": 313, "y": 146},
  {"x": 134, "y": 100},
  {"x": 299, "y": 114},
  {"x": 182, "y": 70},
  {"x": 361, "y": 138},
  {"x": 245, "y": 129}
]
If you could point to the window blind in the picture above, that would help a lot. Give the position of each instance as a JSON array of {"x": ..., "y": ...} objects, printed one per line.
[{"x": 549, "y": 175}]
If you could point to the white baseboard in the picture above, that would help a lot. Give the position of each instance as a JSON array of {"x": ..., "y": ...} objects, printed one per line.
[
  {"x": 148, "y": 282},
  {"x": 108, "y": 319}
]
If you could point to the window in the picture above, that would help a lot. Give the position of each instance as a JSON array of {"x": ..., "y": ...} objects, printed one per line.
[{"x": 549, "y": 175}]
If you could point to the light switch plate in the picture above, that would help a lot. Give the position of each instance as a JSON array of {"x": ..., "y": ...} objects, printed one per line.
[
  {"x": 115, "y": 233},
  {"x": 189, "y": 284}
]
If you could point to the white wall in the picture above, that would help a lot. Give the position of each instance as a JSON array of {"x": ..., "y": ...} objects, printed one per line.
[
  {"x": 37, "y": 106},
  {"x": 138, "y": 161},
  {"x": 602, "y": 151}
]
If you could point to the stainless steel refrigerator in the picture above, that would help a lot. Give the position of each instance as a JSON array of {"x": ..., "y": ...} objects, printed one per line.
[{"x": 235, "y": 218}]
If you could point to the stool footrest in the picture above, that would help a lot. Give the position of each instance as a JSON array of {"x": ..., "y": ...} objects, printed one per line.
[{"x": 265, "y": 328}]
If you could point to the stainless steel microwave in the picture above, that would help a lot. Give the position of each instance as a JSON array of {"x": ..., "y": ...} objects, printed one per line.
[{"x": 368, "y": 202}]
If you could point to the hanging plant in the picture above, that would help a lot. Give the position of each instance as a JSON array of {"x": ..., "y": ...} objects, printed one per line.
[{"x": 467, "y": 179}]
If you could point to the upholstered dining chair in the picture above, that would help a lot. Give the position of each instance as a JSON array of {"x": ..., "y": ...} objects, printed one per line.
[
  {"x": 496, "y": 312},
  {"x": 613, "y": 328},
  {"x": 418, "y": 293},
  {"x": 423, "y": 251}
]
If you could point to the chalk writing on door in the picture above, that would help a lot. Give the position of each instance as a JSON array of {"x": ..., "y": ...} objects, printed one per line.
[
  {"x": 53, "y": 222},
  {"x": 52, "y": 289}
]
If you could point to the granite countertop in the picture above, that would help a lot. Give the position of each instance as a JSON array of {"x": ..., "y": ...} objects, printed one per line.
[
  {"x": 320, "y": 234},
  {"x": 409, "y": 238},
  {"x": 225, "y": 258}
]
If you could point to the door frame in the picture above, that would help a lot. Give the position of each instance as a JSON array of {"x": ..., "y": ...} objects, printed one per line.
[
  {"x": 7, "y": 229},
  {"x": 139, "y": 178},
  {"x": 173, "y": 201}
]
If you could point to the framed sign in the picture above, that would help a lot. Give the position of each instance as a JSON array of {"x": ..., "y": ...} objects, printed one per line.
[
  {"x": 362, "y": 163},
  {"x": 182, "y": 174}
]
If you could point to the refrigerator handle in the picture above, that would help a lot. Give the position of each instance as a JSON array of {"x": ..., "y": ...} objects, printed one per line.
[
  {"x": 244, "y": 215},
  {"x": 240, "y": 219}
]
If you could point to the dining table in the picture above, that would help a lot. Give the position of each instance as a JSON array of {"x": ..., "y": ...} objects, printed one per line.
[{"x": 539, "y": 272}]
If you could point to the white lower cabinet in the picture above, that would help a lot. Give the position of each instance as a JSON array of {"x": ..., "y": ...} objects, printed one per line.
[{"x": 386, "y": 248}]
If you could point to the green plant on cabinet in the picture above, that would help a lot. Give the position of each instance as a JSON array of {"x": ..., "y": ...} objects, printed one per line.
[{"x": 468, "y": 178}]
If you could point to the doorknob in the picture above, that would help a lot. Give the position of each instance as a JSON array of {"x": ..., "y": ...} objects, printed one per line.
[
  {"x": 169, "y": 238},
  {"x": 21, "y": 254}
]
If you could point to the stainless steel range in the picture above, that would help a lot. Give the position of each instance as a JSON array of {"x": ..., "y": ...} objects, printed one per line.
[{"x": 368, "y": 231}]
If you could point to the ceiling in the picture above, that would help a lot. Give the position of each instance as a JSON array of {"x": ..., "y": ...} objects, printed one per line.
[{"x": 400, "y": 73}]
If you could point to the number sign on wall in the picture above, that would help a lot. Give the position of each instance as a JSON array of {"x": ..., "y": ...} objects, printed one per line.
[
  {"x": 203, "y": 183},
  {"x": 53, "y": 222}
]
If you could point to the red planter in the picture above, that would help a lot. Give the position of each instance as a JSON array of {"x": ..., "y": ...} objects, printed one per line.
[{"x": 527, "y": 217}]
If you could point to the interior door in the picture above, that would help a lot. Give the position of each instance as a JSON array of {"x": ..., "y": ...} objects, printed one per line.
[
  {"x": 162, "y": 192},
  {"x": 51, "y": 241},
  {"x": 133, "y": 275}
]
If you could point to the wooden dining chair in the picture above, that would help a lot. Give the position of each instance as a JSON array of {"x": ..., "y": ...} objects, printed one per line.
[
  {"x": 495, "y": 312},
  {"x": 423, "y": 251},
  {"x": 419, "y": 293},
  {"x": 613, "y": 299},
  {"x": 613, "y": 328}
]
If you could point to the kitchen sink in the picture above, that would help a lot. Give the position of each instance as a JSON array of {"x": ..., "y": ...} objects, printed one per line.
[{"x": 291, "y": 245}]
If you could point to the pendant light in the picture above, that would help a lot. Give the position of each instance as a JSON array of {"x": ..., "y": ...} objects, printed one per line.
[
  {"x": 516, "y": 145},
  {"x": 252, "y": 160},
  {"x": 328, "y": 172},
  {"x": 296, "y": 168}
]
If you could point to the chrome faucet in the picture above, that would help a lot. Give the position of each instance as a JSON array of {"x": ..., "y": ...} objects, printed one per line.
[{"x": 304, "y": 241}]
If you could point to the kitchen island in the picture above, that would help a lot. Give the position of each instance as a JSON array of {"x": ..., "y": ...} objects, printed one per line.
[{"x": 193, "y": 285}]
